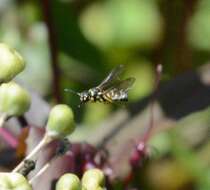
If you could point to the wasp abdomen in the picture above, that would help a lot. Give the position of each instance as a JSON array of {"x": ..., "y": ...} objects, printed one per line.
[
  {"x": 122, "y": 96},
  {"x": 115, "y": 95}
]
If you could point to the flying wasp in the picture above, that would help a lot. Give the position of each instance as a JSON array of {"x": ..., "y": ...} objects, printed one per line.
[{"x": 110, "y": 90}]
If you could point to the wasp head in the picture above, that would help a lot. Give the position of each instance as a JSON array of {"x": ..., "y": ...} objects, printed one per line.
[{"x": 84, "y": 96}]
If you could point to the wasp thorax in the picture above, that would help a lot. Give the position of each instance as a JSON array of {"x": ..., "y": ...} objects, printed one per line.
[{"x": 93, "y": 92}]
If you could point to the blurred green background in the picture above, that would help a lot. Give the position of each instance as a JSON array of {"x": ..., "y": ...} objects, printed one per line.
[{"x": 75, "y": 43}]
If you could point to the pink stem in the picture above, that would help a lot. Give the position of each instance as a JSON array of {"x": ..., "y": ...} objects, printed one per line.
[
  {"x": 8, "y": 137},
  {"x": 151, "y": 123}
]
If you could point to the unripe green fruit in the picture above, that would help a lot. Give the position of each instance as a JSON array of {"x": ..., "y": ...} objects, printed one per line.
[
  {"x": 61, "y": 121},
  {"x": 93, "y": 179},
  {"x": 68, "y": 182},
  {"x": 13, "y": 181},
  {"x": 11, "y": 63},
  {"x": 99, "y": 188},
  {"x": 14, "y": 100}
]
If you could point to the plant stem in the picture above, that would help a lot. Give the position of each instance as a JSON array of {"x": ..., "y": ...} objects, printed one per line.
[
  {"x": 47, "y": 13},
  {"x": 3, "y": 118},
  {"x": 44, "y": 168},
  {"x": 63, "y": 148},
  {"x": 46, "y": 139},
  {"x": 9, "y": 138},
  {"x": 151, "y": 122}
]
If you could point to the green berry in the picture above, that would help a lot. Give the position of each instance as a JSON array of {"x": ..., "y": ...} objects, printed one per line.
[
  {"x": 13, "y": 181},
  {"x": 99, "y": 188},
  {"x": 93, "y": 179},
  {"x": 68, "y": 182},
  {"x": 61, "y": 121},
  {"x": 11, "y": 63},
  {"x": 14, "y": 100}
]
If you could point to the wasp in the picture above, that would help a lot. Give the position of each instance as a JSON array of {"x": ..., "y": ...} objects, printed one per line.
[{"x": 111, "y": 89}]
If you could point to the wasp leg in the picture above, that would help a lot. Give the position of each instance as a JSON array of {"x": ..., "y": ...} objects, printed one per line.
[{"x": 107, "y": 98}]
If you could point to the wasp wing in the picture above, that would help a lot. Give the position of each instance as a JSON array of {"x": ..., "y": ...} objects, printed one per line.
[
  {"x": 119, "y": 90},
  {"x": 111, "y": 78},
  {"x": 125, "y": 85}
]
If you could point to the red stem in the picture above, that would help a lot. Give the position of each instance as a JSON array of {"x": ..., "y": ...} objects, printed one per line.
[
  {"x": 8, "y": 137},
  {"x": 151, "y": 123}
]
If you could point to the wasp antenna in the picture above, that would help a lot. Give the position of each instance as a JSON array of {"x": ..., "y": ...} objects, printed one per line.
[{"x": 72, "y": 91}]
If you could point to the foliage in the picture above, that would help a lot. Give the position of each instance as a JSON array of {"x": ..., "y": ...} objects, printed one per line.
[{"x": 74, "y": 44}]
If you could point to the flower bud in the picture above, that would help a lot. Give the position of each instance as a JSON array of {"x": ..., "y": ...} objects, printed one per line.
[
  {"x": 61, "y": 121},
  {"x": 13, "y": 181},
  {"x": 14, "y": 100},
  {"x": 68, "y": 182},
  {"x": 11, "y": 63},
  {"x": 93, "y": 179}
]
